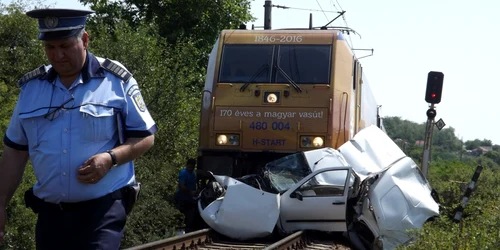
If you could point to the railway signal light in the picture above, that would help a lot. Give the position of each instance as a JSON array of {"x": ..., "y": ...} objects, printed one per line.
[{"x": 434, "y": 87}]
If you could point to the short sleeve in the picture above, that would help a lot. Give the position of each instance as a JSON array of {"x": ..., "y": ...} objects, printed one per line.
[
  {"x": 182, "y": 178},
  {"x": 15, "y": 137},
  {"x": 137, "y": 119}
]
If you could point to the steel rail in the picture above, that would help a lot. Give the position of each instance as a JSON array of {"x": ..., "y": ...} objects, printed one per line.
[
  {"x": 296, "y": 240},
  {"x": 184, "y": 241},
  {"x": 206, "y": 239}
]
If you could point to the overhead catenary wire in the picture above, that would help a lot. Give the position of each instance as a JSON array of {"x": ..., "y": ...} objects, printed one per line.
[
  {"x": 334, "y": 6},
  {"x": 294, "y": 8},
  {"x": 351, "y": 44},
  {"x": 322, "y": 10},
  {"x": 339, "y": 10}
]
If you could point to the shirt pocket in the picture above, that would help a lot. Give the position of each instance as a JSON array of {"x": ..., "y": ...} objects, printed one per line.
[
  {"x": 98, "y": 122},
  {"x": 36, "y": 127}
]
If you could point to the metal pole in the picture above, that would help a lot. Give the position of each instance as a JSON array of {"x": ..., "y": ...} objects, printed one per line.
[
  {"x": 426, "y": 156},
  {"x": 267, "y": 14},
  {"x": 472, "y": 185},
  {"x": 310, "y": 21}
]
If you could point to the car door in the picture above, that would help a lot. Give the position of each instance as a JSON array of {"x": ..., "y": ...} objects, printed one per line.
[{"x": 317, "y": 202}]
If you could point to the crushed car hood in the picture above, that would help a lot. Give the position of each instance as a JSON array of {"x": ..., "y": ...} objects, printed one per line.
[
  {"x": 370, "y": 151},
  {"x": 399, "y": 195},
  {"x": 244, "y": 212},
  {"x": 401, "y": 201}
]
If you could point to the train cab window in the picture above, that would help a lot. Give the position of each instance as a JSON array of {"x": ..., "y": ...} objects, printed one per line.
[
  {"x": 304, "y": 63},
  {"x": 246, "y": 63}
]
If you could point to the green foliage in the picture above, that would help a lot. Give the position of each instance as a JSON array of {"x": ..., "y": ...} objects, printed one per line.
[
  {"x": 18, "y": 55},
  {"x": 154, "y": 217},
  {"x": 411, "y": 132},
  {"x": 20, "y": 52},
  {"x": 450, "y": 173},
  {"x": 199, "y": 21},
  {"x": 165, "y": 45},
  {"x": 166, "y": 75},
  {"x": 477, "y": 143},
  {"x": 403, "y": 129},
  {"x": 494, "y": 156},
  {"x": 170, "y": 78},
  {"x": 7, "y": 102},
  {"x": 478, "y": 228},
  {"x": 20, "y": 220},
  {"x": 468, "y": 234},
  {"x": 410, "y": 137}
]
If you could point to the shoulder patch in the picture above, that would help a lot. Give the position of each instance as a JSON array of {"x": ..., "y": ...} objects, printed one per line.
[
  {"x": 139, "y": 101},
  {"x": 42, "y": 70},
  {"x": 116, "y": 70}
]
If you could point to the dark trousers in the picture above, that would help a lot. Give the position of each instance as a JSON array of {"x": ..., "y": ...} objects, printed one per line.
[
  {"x": 189, "y": 210},
  {"x": 99, "y": 226}
]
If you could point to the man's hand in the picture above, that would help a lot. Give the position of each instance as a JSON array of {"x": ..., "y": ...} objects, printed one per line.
[
  {"x": 95, "y": 168},
  {"x": 3, "y": 216}
]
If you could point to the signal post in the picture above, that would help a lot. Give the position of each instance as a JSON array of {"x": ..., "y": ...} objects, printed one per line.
[{"x": 432, "y": 96}]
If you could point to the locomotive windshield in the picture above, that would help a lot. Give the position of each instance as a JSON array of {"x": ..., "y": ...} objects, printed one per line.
[
  {"x": 246, "y": 63},
  {"x": 243, "y": 63}
]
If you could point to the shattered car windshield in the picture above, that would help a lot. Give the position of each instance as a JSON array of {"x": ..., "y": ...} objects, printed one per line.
[{"x": 287, "y": 171}]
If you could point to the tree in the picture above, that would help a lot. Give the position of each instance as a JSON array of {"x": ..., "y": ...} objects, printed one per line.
[
  {"x": 447, "y": 139},
  {"x": 20, "y": 52},
  {"x": 404, "y": 129},
  {"x": 165, "y": 80},
  {"x": 165, "y": 45},
  {"x": 199, "y": 21},
  {"x": 477, "y": 143},
  {"x": 493, "y": 155},
  {"x": 445, "y": 144}
]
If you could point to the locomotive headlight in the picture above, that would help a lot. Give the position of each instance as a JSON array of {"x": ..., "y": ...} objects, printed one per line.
[
  {"x": 318, "y": 142},
  {"x": 228, "y": 140},
  {"x": 221, "y": 140},
  {"x": 272, "y": 98}
]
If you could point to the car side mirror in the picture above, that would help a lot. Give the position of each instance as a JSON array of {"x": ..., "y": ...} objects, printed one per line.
[{"x": 297, "y": 195}]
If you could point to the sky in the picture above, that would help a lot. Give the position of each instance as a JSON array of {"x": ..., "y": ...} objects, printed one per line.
[{"x": 411, "y": 38}]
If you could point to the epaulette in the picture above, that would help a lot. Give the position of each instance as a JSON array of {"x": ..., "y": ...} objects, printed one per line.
[
  {"x": 116, "y": 70},
  {"x": 42, "y": 70}
]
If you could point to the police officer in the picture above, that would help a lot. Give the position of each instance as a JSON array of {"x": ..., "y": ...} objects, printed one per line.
[{"x": 81, "y": 121}]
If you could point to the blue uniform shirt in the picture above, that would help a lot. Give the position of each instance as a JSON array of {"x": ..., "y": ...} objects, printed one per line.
[
  {"x": 189, "y": 181},
  {"x": 60, "y": 140}
]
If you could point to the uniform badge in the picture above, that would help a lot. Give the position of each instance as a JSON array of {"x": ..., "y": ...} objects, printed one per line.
[
  {"x": 51, "y": 22},
  {"x": 139, "y": 101}
]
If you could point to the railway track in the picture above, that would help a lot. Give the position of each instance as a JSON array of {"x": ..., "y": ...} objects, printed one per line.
[{"x": 207, "y": 239}]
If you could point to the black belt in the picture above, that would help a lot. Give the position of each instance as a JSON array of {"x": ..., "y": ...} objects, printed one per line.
[{"x": 75, "y": 206}]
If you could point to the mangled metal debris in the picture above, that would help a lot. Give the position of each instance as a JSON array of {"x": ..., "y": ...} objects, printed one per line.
[
  {"x": 243, "y": 212},
  {"x": 368, "y": 188}
]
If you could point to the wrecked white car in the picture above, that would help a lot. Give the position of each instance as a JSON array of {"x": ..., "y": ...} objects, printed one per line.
[{"x": 368, "y": 188}]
